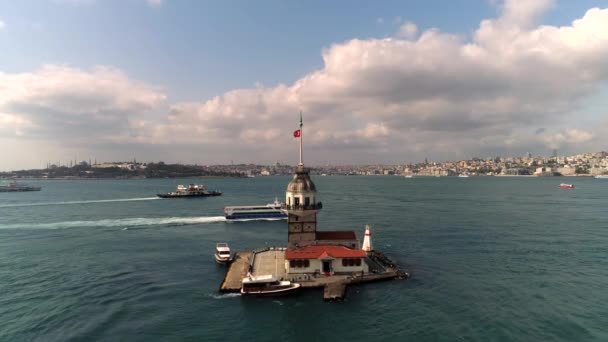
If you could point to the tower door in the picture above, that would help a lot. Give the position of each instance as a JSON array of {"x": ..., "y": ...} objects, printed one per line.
[{"x": 326, "y": 266}]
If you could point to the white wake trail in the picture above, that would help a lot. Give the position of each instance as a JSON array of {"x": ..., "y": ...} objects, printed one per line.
[
  {"x": 79, "y": 202},
  {"x": 125, "y": 223}
]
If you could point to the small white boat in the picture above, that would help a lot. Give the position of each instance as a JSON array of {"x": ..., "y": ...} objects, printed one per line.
[
  {"x": 222, "y": 253},
  {"x": 601, "y": 177},
  {"x": 463, "y": 175},
  {"x": 267, "y": 285},
  {"x": 409, "y": 176},
  {"x": 566, "y": 186}
]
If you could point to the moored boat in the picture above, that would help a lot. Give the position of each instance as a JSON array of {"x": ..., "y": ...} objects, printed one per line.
[
  {"x": 222, "y": 253},
  {"x": 566, "y": 186},
  {"x": 267, "y": 285},
  {"x": 601, "y": 177},
  {"x": 14, "y": 187},
  {"x": 192, "y": 190},
  {"x": 253, "y": 212}
]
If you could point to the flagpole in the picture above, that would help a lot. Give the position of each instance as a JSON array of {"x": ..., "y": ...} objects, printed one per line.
[{"x": 301, "y": 162}]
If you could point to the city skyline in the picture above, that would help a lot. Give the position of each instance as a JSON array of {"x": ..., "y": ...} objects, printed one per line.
[{"x": 192, "y": 82}]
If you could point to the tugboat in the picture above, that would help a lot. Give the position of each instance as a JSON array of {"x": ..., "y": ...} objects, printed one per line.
[
  {"x": 192, "y": 190},
  {"x": 267, "y": 285},
  {"x": 14, "y": 187},
  {"x": 222, "y": 253},
  {"x": 260, "y": 212},
  {"x": 566, "y": 186}
]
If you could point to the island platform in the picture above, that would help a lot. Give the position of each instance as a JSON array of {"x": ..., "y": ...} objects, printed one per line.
[{"x": 272, "y": 260}]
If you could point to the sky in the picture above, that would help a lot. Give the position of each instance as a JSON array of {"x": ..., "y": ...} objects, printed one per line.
[{"x": 214, "y": 82}]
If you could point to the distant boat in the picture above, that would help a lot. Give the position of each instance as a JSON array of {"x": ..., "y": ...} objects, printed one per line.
[
  {"x": 566, "y": 186},
  {"x": 253, "y": 212},
  {"x": 464, "y": 175},
  {"x": 601, "y": 177},
  {"x": 266, "y": 285},
  {"x": 409, "y": 176},
  {"x": 14, "y": 187},
  {"x": 192, "y": 190},
  {"x": 222, "y": 253}
]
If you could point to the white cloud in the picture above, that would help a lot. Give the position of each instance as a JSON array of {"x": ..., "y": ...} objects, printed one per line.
[
  {"x": 408, "y": 30},
  {"x": 75, "y": 2},
  {"x": 570, "y": 136},
  {"x": 155, "y": 3},
  {"x": 64, "y": 103},
  {"x": 438, "y": 90},
  {"x": 434, "y": 93}
]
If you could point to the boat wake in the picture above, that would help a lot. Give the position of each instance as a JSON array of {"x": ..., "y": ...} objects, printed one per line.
[
  {"x": 224, "y": 295},
  {"x": 124, "y": 223},
  {"x": 78, "y": 202}
]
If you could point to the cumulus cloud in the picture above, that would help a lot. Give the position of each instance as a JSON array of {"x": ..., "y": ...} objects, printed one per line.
[
  {"x": 408, "y": 30},
  {"x": 421, "y": 93},
  {"x": 155, "y": 3},
  {"x": 439, "y": 91},
  {"x": 65, "y": 103},
  {"x": 570, "y": 136}
]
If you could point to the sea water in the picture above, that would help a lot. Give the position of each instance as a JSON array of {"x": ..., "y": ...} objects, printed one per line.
[{"x": 491, "y": 258}]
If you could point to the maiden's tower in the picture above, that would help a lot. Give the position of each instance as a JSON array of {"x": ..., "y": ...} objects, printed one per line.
[{"x": 312, "y": 258}]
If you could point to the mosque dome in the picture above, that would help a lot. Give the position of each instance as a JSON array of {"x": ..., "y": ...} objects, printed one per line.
[{"x": 301, "y": 182}]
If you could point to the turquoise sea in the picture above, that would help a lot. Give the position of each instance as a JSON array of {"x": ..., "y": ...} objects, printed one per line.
[{"x": 492, "y": 259}]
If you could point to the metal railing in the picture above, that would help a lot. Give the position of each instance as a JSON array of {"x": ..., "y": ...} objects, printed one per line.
[{"x": 316, "y": 206}]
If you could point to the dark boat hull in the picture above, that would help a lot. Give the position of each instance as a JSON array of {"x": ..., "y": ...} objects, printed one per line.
[
  {"x": 20, "y": 189},
  {"x": 189, "y": 195}
]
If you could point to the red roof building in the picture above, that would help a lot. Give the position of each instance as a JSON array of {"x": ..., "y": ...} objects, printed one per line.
[{"x": 323, "y": 252}]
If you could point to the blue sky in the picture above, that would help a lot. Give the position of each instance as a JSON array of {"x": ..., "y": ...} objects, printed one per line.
[{"x": 191, "y": 51}]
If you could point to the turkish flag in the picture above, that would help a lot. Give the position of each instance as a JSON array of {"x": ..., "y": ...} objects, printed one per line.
[{"x": 296, "y": 134}]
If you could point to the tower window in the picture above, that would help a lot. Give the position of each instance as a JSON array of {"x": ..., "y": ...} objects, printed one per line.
[
  {"x": 296, "y": 200},
  {"x": 306, "y": 201}
]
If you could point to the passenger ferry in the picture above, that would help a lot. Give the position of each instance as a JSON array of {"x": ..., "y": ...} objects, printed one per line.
[
  {"x": 267, "y": 285},
  {"x": 192, "y": 190},
  {"x": 253, "y": 212},
  {"x": 14, "y": 187},
  {"x": 222, "y": 253}
]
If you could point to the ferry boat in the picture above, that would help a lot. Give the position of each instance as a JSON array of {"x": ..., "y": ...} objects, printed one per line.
[
  {"x": 266, "y": 285},
  {"x": 566, "y": 186},
  {"x": 192, "y": 190},
  {"x": 601, "y": 177},
  {"x": 253, "y": 212},
  {"x": 14, "y": 187},
  {"x": 222, "y": 253}
]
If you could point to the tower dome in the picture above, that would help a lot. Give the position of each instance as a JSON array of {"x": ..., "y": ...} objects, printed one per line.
[{"x": 301, "y": 181}]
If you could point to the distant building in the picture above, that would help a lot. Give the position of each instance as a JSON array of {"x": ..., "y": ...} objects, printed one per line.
[
  {"x": 543, "y": 172},
  {"x": 567, "y": 171}
]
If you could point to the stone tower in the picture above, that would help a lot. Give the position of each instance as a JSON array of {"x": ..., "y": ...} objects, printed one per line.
[
  {"x": 301, "y": 204},
  {"x": 302, "y": 207}
]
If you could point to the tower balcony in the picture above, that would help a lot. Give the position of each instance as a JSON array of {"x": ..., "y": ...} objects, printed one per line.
[{"x": 314, "y": 206}]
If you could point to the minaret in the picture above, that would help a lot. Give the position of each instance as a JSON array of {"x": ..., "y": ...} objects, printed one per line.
[{"x": 301, "y": 204}]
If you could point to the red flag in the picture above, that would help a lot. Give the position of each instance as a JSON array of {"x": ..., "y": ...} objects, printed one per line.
[{"x": 296, "y": 134}]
